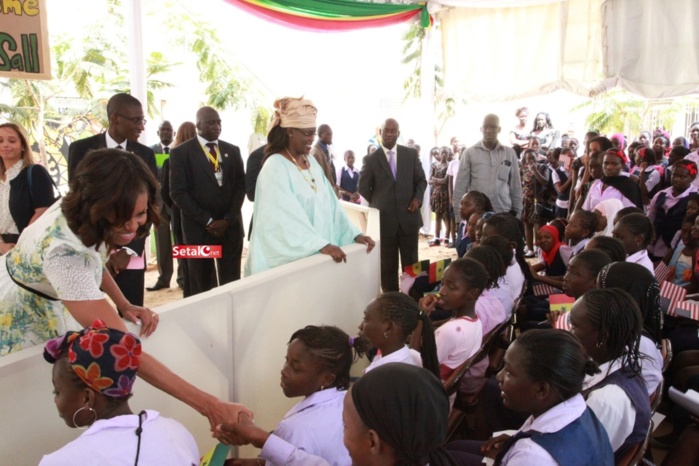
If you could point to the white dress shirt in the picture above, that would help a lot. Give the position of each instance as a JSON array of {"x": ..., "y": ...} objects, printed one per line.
[{"x": 314, "y": 426}]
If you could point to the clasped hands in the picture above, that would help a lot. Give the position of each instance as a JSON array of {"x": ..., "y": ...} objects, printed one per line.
[{"x": 217, "y": 228}]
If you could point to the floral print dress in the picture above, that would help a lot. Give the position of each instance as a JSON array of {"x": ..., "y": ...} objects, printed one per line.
[{"x": 51, "y": 259}]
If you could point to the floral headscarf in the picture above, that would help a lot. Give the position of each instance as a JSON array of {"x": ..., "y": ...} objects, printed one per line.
[{"x": 105, "y": 359}]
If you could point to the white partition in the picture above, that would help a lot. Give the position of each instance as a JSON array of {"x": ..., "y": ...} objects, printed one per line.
[{"x": 230, "y": 342}]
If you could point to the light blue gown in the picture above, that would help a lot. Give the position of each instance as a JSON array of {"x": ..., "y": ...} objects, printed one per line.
[{"x": 291, "y": 220}]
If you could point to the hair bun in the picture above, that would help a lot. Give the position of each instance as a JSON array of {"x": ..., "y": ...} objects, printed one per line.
[{"x": 591, "y": 367}]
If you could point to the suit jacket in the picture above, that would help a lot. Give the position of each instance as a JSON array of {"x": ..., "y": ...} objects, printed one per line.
[
  {"x": 327, "y": 165},
  {"x": 252, "y": 171},
  {"x": 80, "y": 148},
  {"x": 392, "y": 197},
  {"x": 194, "y": 189}
]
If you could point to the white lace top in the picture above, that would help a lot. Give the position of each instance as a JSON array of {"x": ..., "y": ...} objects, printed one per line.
[{"x": 7, "y": 223}]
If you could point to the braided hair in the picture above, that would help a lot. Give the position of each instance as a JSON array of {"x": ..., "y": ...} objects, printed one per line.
[
  {"x": 481, "y": 200},
  {"x": 638, "y": 224},
  {"x": 334, "y": 349},
  {"x": 617, "y": 318},
  {"x": 512, "y": 229},
  {"x": 588, "y": 221},
  {"x": 612, "y": 246},
  {"x": 556, "y": 357},
  {"x": 491, "y": 260},
  {"x": 502, "y": 246},
  {"x": 403, "y": 311}
]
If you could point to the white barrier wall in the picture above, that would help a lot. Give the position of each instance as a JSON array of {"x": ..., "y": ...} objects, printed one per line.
[{"x": 230, "y": 342}]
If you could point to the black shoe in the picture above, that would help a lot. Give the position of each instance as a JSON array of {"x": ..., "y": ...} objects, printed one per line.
[{"x": 156, "y": 287}]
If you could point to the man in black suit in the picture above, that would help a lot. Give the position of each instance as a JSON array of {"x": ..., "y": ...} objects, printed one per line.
[
  {"x": 163, "y": 241},
  {"x": 126, "y": 122},
  {"x": 392, "y": 180},
  {"x": 207, "y": 183}
]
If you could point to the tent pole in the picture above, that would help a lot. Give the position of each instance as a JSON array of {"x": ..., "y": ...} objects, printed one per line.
[{"x": 137, "y": 61}]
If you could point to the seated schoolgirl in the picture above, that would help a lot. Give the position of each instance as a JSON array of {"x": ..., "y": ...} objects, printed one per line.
[
  {"x": 461, "y": 336},
  {"x": 510, "y": 228},
  {"x": 669, "y": 206},
  {"x": 93, "y": 373},
  {"x": 507, "y": 254},
  {"x": 388, "y": 322},
  {"x": 611, "y": 246},
  {"x": 489, "y": 309},
  {"x": 473, "y": 202},
  {"x": 608, "y": 324},
  {"x": 582, "y": 225},
  {"x": 648, "y": 175},
  {"x": 396, "y": 414},
  {"x": 543, "y": 377},
  {"x": 317, "y": 367},
  {"x": 581, "y": 276},
  {"x": 614, "y": 184},
  {"x": 681, "y": 259},
  {"x": 552, "y": 263},
  {"x": 644, "y": 289},
  {"x": 635, "y": 231}
]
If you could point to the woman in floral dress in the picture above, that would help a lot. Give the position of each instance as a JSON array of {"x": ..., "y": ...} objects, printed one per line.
[{"x": 439, "y": 198}]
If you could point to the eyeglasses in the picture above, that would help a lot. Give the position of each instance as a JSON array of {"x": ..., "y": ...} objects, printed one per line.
[
  {"x": 134, "y": 120},
  {"x": 308, "y": 134}
]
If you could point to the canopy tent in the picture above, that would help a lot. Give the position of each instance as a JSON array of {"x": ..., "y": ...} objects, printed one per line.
[{"x": 496, "y": 50}]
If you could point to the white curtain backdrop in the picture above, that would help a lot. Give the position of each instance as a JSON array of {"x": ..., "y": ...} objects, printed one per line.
[
  {"x": 651, "y": 47},
  {"x": 502, "y": 50}
]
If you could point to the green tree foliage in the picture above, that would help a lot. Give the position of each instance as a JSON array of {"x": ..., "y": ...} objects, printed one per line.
[{"x": 444, "y": 104}]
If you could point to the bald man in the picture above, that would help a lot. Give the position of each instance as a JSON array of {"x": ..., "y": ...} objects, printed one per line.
[
  {"x": 491, "y": 168},
  {"x": 393, "y": 181},
  {"x": 207, "y": 183}
]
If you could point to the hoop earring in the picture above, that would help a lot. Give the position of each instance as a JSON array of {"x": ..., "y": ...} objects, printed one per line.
[
  {"x": 385, "y": 334},
  {"x": 87, "y": 425}
]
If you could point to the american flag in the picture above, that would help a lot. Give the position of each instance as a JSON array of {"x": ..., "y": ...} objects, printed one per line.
[
  {"x": 542, "y": 289},
  {"x": 670, "y": 296},
  {"x": 688, "y": 309},
  {"x": 563, "y": 322},
  {"x": 661, "y": 271}
]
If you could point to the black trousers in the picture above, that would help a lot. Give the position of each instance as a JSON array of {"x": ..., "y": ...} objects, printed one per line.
[{"x": 393, "y": 244}]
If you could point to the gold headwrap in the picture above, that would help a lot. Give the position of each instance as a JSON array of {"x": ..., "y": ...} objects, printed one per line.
[{"x": 293, "y": 112}]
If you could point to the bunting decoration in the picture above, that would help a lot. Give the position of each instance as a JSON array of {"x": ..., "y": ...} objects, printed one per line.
[{"x": 334, "y": 15}]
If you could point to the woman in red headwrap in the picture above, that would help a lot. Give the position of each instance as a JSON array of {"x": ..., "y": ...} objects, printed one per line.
[{"x": 549, "y": 242}]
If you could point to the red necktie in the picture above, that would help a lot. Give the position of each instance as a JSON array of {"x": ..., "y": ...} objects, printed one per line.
[{"x": 212, "y": 151}]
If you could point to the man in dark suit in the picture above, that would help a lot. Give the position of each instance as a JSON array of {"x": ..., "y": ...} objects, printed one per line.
[
  {"x": 163, "y": 241},
  {"x": 392, "y": 180},
  {"x": 126, "y": 122},
  {"x": 207, "y": 183},
  {"x": 322, "y": 154}
]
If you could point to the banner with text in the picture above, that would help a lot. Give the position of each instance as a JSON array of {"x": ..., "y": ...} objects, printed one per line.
[{"x": 24, "y": 40}]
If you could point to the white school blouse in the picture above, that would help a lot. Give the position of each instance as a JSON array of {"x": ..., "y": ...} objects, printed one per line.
[
  {"x": 314, "y": 426},
  {"x": 528, "y": 452},
  {"x": 404, "y": 355},
  {"x": 114, "y": 441}
]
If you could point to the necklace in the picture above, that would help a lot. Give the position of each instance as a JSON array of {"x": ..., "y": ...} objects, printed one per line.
[{"x": 312, "y": 182}]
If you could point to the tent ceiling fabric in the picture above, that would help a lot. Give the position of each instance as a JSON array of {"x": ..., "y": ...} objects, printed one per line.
[
  {"x": 508, "y": 53},
  {"x": 503, "y": 50},
  {"x": 651, "y": 47}
]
